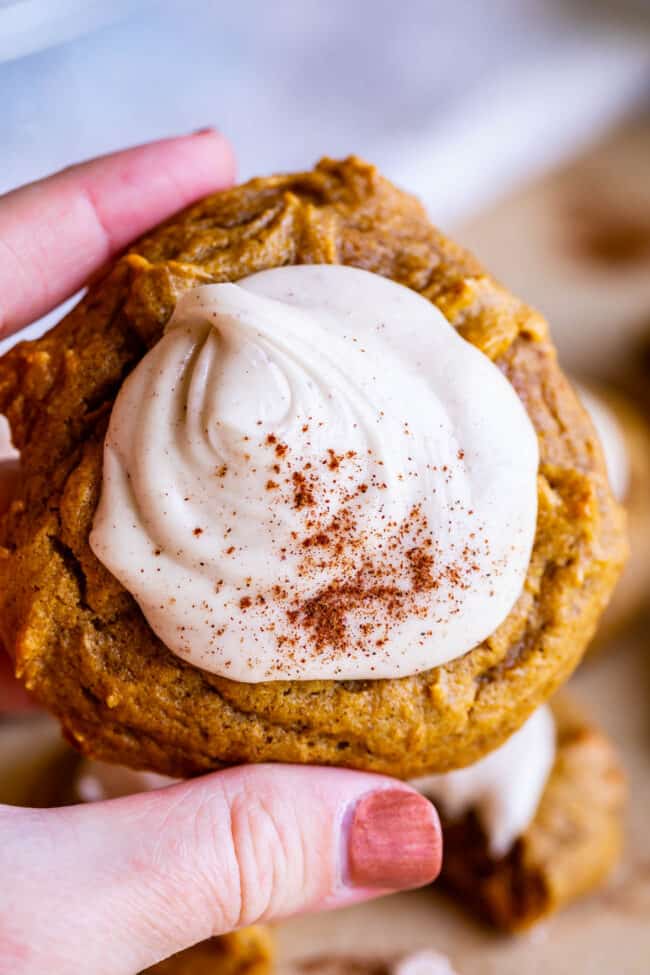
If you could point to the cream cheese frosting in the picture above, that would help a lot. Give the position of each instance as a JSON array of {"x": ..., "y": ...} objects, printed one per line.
[
  {"x": 313, "y": 476},
  {"x": 612, "y": 441},
  {"x": 504, "y": 788}
]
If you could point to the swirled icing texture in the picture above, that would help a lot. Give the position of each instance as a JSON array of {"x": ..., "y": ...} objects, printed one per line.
[{"x": 312, "y": 476}]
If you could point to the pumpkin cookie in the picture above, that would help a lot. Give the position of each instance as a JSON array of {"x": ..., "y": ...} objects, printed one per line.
[
  {"x": 361, "y": 605},
  {"x": 566, "y": 849}
]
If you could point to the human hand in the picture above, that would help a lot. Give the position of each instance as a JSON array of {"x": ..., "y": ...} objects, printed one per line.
[{"x": 115, "y": 886}]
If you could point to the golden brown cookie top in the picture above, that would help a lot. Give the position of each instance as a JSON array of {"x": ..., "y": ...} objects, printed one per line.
[{"x": 341, "y": 212}]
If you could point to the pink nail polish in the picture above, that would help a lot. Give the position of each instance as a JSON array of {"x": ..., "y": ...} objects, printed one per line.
[{"x": 394, "y": 841}]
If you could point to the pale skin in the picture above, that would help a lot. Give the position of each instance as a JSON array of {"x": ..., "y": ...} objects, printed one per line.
[{"x": 113, "y": 887}]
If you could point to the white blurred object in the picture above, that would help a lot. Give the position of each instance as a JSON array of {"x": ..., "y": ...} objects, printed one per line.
[
  {"x": 8, "y": 453},
  {"x": 9, "y": 465},
  {"x": 522, "y": 122},
  {"x": 425, "y": 962},
  {"x": 97, "y": 780},
  {"x": 612, "y": 441},
  {"x": 31, "y": 25},
  {"x": 456, "y": 102}
]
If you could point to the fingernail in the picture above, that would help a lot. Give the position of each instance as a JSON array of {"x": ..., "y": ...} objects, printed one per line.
[
  {"x": 206, "y": 130},
  {"x": 394, "y": 841}
]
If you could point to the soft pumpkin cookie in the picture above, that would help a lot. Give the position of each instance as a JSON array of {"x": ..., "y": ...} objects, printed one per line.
[{"x": 80, "y": 641}]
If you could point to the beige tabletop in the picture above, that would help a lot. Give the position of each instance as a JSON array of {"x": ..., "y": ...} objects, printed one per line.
[{"x": 578, "y": 246}]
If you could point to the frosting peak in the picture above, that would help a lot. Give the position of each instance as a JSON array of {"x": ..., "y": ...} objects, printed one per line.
[{"x": 312, "y": 476}]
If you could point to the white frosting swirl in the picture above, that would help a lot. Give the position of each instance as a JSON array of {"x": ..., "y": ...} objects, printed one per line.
[
  {"x": 312, "y": 476},
  {"x": 504, "y": 788}
]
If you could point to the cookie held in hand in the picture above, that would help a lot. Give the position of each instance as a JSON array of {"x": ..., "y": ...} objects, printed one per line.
[{"x": 90, "y": 648}]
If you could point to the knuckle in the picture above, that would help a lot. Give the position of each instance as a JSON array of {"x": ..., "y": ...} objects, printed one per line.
[{"x": 268, "y": 852}]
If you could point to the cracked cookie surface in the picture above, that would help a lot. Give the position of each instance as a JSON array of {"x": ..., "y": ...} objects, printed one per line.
[{"x": 80, "y": 642}]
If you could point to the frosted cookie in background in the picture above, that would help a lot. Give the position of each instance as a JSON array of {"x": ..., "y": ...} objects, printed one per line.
[
  {"x": 624, "y": 435},
  {"x": 535, "y": 824}
]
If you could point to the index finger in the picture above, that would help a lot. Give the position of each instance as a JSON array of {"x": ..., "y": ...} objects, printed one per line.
[{"x": 56, "y": 232}]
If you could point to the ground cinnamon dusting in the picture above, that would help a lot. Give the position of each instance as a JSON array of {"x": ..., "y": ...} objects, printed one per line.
[
  {"x": 303, "y": 491},
  {"x": 355, "y": 583}
]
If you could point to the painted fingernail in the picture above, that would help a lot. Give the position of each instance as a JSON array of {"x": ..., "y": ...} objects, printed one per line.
[
  {"x": 206, "y": 130},
  {"x": 394, "y": 841}
]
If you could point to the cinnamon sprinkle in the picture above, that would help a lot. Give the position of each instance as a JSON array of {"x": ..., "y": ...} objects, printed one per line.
[
  {"x": 375, "y": 578},
  {"x": 303, "y": 494}
]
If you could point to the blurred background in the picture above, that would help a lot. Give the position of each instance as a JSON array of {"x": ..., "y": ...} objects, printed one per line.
[
  {"x": 524, "y": 125},
  {"x": 460, "y": 102},
  {"x": 456, "y": 100}
]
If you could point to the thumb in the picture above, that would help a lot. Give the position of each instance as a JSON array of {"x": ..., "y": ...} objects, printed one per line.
[{"x": 127, "y": 882}]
